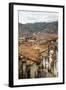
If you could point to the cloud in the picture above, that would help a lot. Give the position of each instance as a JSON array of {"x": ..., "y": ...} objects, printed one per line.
[{"x": 32, "y": 17}]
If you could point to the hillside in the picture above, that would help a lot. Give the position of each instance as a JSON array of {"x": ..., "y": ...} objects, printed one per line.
[{"x": 49, "y": 27}]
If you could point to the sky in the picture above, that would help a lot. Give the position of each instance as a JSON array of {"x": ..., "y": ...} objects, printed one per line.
[{"x": 32, "y": 16}]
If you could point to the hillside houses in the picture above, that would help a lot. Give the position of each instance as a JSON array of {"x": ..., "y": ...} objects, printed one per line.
[{"x": 37, "y": 56}]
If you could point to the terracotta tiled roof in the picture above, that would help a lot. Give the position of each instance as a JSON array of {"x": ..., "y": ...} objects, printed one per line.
[{"x": 34, "y": 51}]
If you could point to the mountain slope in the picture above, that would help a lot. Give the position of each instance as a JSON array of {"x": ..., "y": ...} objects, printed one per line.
[{"x": 50, "y": 27}]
